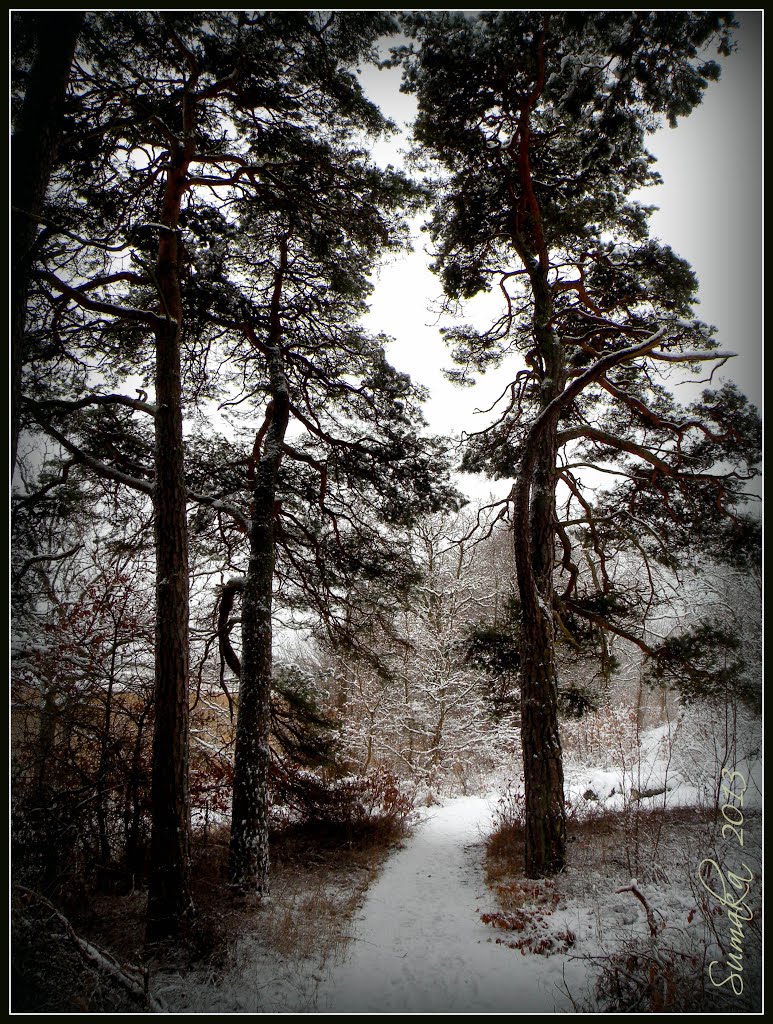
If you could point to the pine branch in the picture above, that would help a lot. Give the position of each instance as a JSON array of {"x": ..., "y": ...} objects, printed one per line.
[
  {"x": 35, "y": 559},
  {"x": 64, "y": 405},
  {"x": 651, "y": 417},
  {"x": 612, "y": 627},
  {"x": 624, "y": 445},
  {"x": 691, "y": 357},
  {"x": 59, "y": 230},
  {"x": 31, "y": 499},
  {"x": 220, "y": 506},
  {"x": 79, "y": 297},
  {"x": 100, "y": 468},
  {"x": 110, "y": 473}
]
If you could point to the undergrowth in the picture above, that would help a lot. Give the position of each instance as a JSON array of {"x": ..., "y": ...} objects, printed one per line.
[
  {"x": 651, "y": 953},
  {"x": 321, "y": 865}
]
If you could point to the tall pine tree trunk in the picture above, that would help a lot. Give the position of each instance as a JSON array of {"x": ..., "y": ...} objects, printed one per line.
[
  {"x": 33, "y": 154},
  {"x": 534, "y": 524},
  {"x": 169, "y": 899},
  {"x": 545, "y": 811},
  {"x": 249, "y": 852}
]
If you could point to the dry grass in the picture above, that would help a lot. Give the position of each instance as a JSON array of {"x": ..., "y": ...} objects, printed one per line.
[
  {"x": 505, "y": 854},
  {"x": 319, "y": 876},
  {"x": 637, "y": 970},
  {"x": 318, "y": 882},
  {"x": 525, "y": 905},
  {"x": 646, "y": 844},
  {"x": 635, "y": 842}
]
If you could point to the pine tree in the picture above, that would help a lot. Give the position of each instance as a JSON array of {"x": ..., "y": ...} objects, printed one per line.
[
  {"x": 51, "y": 38},
  {"x": 539, "y": 123},
  {"x": 212, "y": 223},
  {"x": 313, "y": 519}
]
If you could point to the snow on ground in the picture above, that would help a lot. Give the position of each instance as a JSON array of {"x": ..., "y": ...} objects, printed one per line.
[
  {"x": 420, "y": 945},
  {"x": 677, "y": 764}
]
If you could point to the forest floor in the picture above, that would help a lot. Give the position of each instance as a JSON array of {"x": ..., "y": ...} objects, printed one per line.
[
  {"x": 450, "y": 924},
  {"x": 416, "y": 943},
  {"x": 444, "y": 920}
]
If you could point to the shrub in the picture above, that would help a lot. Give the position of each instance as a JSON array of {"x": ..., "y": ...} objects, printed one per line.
[{"x": 357, "y": 804}]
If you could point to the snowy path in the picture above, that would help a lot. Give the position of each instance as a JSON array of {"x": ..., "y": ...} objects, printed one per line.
[{"x": 419, "y": 942}]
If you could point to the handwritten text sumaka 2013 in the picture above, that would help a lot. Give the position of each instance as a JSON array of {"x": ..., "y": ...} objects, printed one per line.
[{"x": 730, "y": 889}]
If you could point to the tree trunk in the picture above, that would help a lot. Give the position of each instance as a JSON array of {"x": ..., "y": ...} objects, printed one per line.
[
  {"x": 33, "y": 153},
  {"x": 169, "y": 899},
  {"x": 534, "y": 523},
  {"x": 542, "y": 759},
  {"x": 249, "y": 856},
  {"x": 249, "y": 852},
  {"x": 104, "y": 750},
  {"x": 133, "y": 805},
  {"x": 545, "y": 810},
  {"x": 437, "y": 736}
]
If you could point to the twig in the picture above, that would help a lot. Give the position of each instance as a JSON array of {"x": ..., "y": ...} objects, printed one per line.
[
  {"x": 633, "y": 888},
  {"x": 103, "y": 961}
]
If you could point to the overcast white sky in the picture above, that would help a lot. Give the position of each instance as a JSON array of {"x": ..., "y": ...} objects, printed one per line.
[{"x": 709, "y": 212}]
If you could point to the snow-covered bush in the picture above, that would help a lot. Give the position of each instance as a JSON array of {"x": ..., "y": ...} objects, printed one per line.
[{"x": 669, "y": 971}]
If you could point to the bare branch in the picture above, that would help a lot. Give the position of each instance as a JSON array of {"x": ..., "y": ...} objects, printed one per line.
[
  {"x": 131, "y": 978},
  {"x": 634, "y": 888}
]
